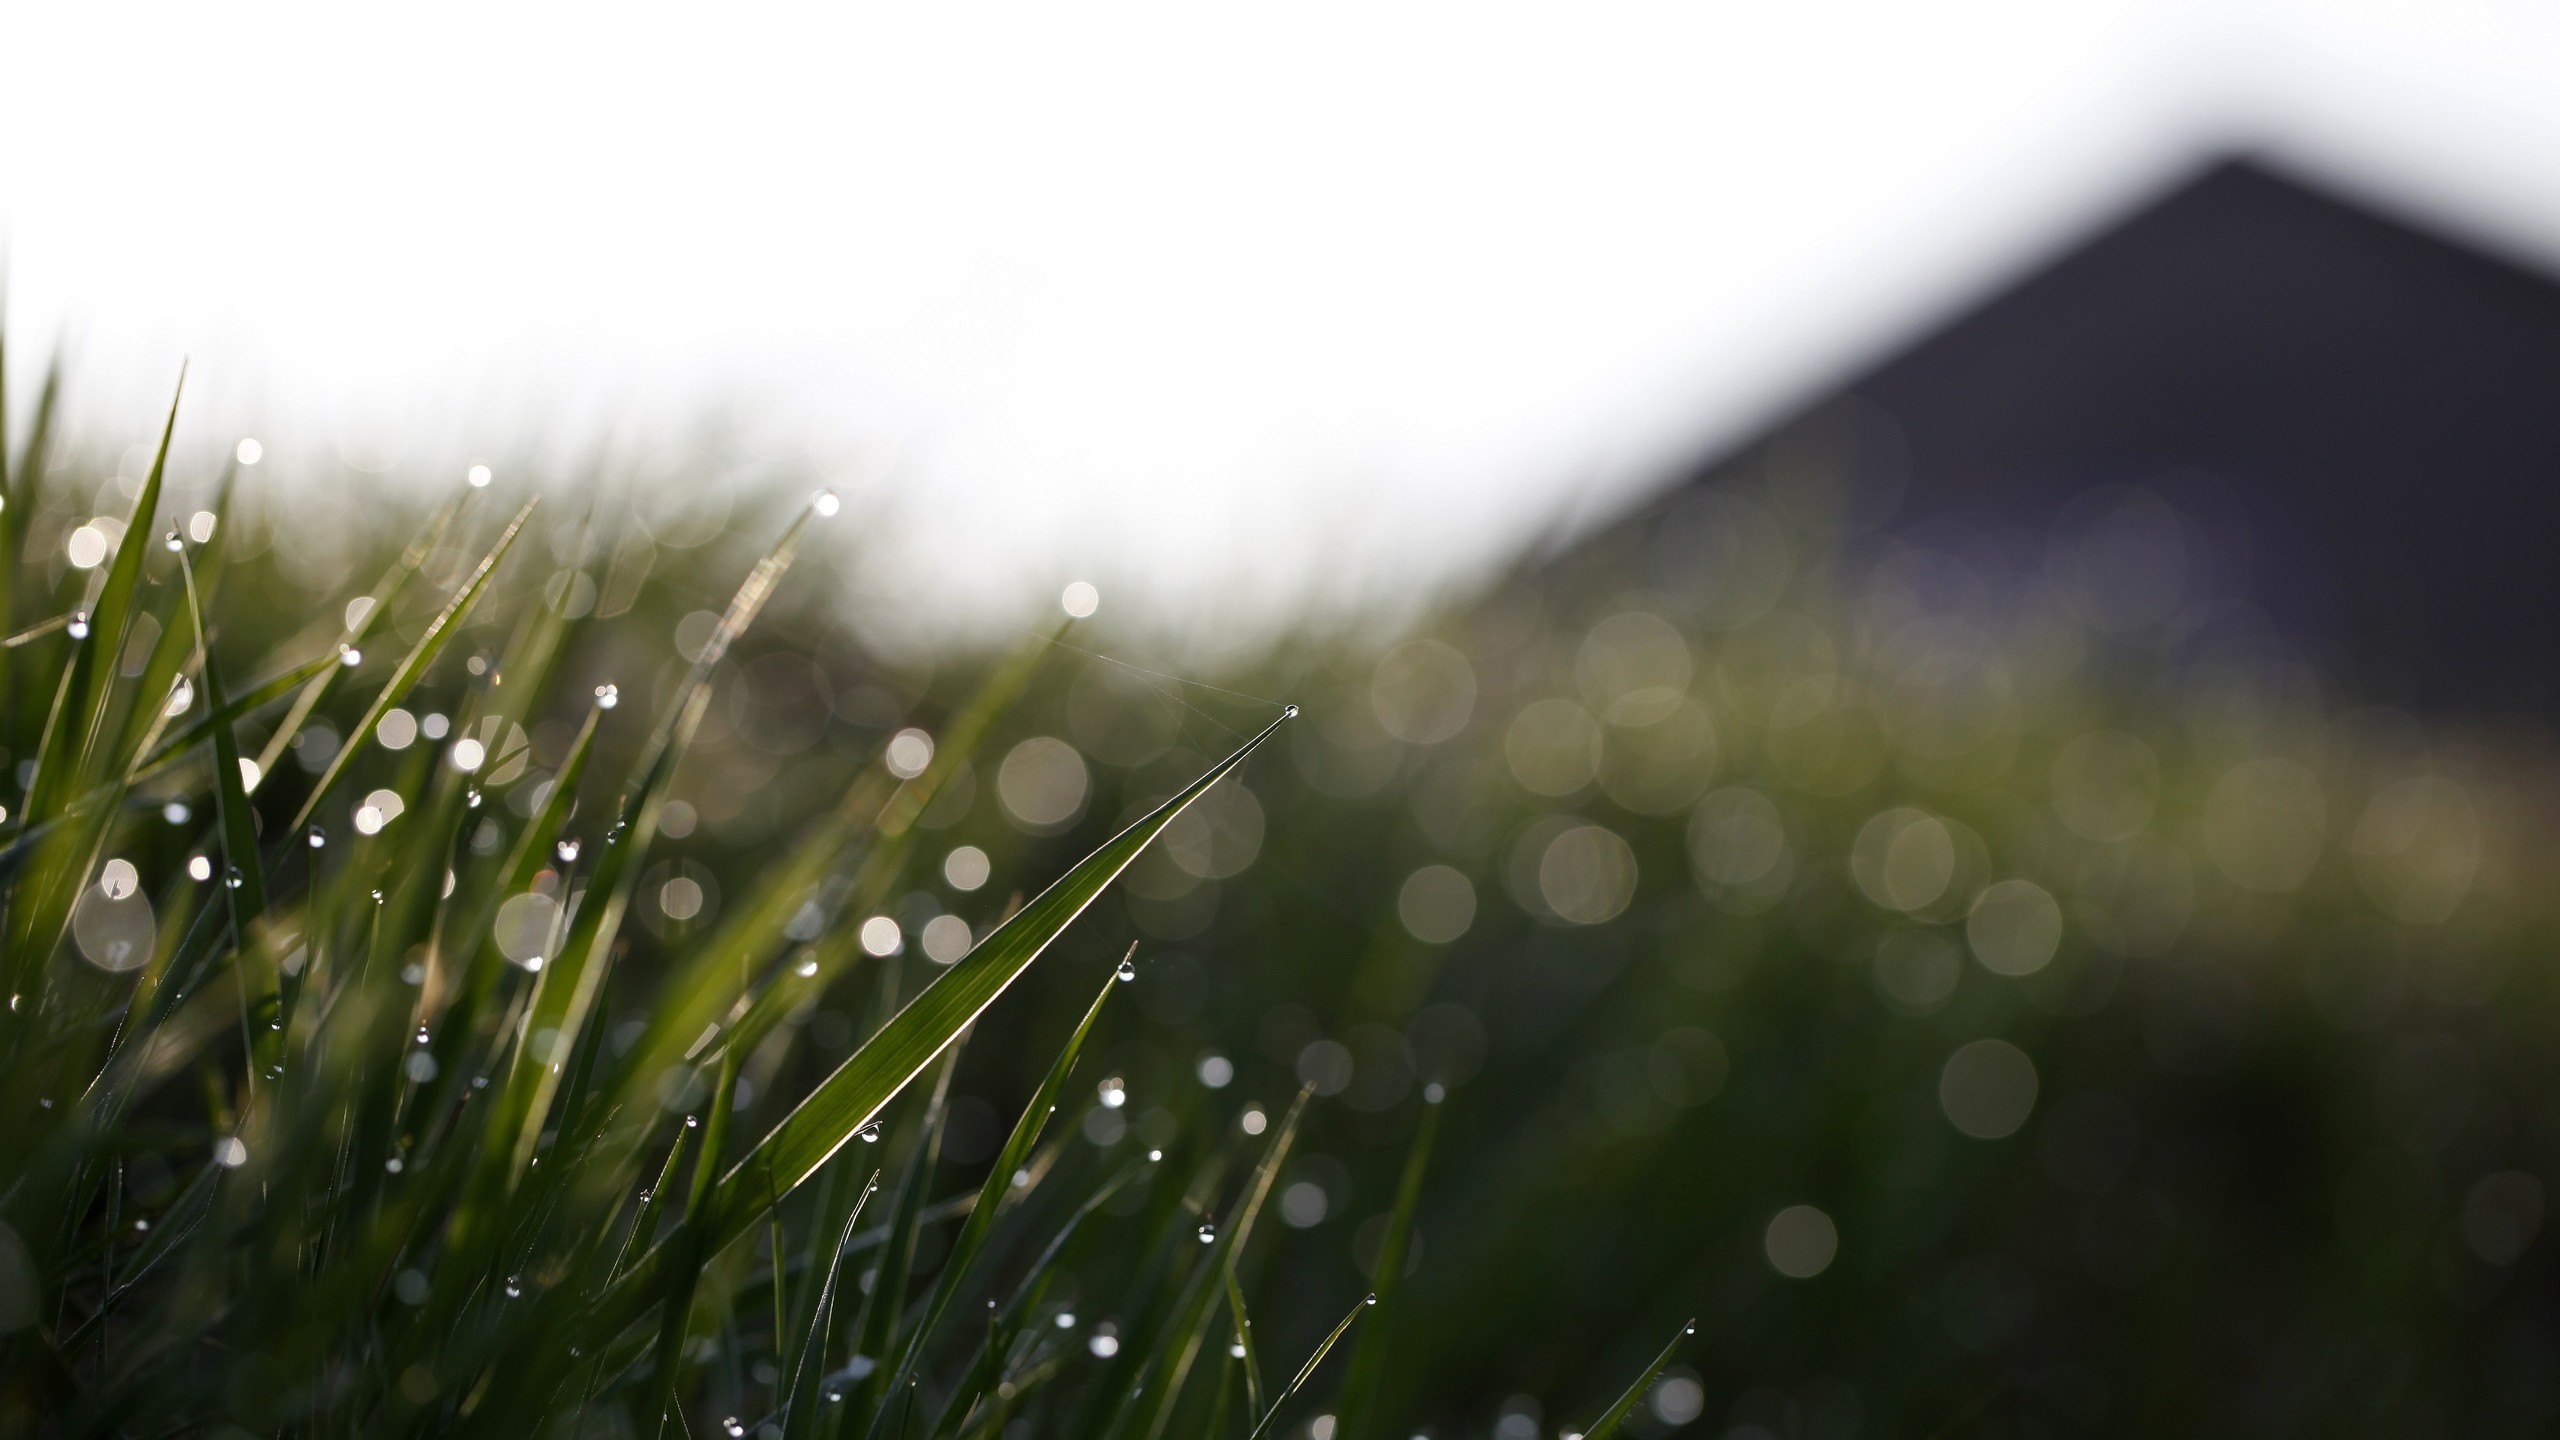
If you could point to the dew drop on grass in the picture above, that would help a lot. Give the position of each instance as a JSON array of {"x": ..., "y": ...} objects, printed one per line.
[
  {"x": 173, "y": 543},
  {"x": 692, "y": 1122},
  {"x": 1208, "y": 1232},
  {"x": 608, "y": 696},
  {"x": 1236, "y": 1348},
  {"x": 318, "y": 837},
  {"x": 232, "y": 878},
  {"x": 870, "y": 1133},
  {"x": 1288, "y": 712},
  {"x": 1127, "y": 972},
  {"x": 567, "y": 850},
  {"x": 392, "y": 1164},
  {"x": 825, "y": 502},
  {"x": 1155, "y": 1156},
  {"x": 732, "y": 1426},
  {"x": 806, "y": 967},
  {"x": 79, "y": 624},
  {"x": 472, "y": 799},
  {"x": 350, "y": 656},
  {"x": 515, "y": 1286},
  {"x": 1372, "y": 1300}
]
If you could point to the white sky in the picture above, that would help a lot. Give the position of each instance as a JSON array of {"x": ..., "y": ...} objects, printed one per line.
[{"x": 1224, "y": 307}]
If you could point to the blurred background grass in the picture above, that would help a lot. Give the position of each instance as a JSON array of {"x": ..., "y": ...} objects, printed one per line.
[{"x": 1989, "y": 993}]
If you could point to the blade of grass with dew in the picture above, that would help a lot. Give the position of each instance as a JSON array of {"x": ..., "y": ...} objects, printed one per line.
[
  {"x": 676, "y": 1310},
  {"x": 704, "y": 989},
  {"x": 1367, "y": 1368},
  {"x": 69, "y": 748},
  {"x": 378, "y": 601},
  {"x": 1178, "y": 1347},
  {"x": 430, "y": 644},
  {"x": 853, "y": 1096},
  {"x": 1307, "y": 1371},
  {"x": 957, "y": 1266},
  {"x": 1610, "y": 1419},
  {"x": 1251, "y": 1361},
  {"x": 884, "y": 1306},
  {"x": 567, "y": 991},
  {"x": 800, "y": 1404}
]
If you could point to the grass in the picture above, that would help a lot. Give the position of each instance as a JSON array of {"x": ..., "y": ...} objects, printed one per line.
[{"x": 318, "y": 1126}]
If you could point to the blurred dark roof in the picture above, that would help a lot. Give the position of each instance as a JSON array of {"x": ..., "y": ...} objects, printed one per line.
[{"x": 2379, "y": 403}]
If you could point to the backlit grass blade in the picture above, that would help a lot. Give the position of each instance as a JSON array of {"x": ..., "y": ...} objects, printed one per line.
[
  {"x": 1367, "y": 1368},
  {"x": 999, "y": 1182},
  {"x": 800, "y": 1404},
  {"x": 677, "y": 1309},
  {"x": 377, "y": 603},
  {"x": 701, "y": 993},
  {"x": 430, "y": 644},
  {"x": 853, "y": 1096},
  {"x": 1610, "y": 1419},
  {"x": 1250, "y": 1360},
  {"x": 1307, "y": 1371},
  {"x": 881, "y": 1308},
  {"x": 246, "y": 703}
]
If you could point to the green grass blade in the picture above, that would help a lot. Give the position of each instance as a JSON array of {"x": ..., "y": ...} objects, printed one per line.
[
  {"x": 677, "y": 1309},
  {"x": 854, "y": 1095},
  {"x": 421, "y": 655},
  {"x": 1367, "y": 1369},
  {"x": 1251, "y": 1360},
  {"x": 800, "y": 1404},
  {"x": 698, "y": 998},
  {"x": 385, "y": 593},
  {"x": 999, "y": 1183},
  {"x": 1610, "y": 1419},
  {"x": 1307, "y": 1371},
  {"x": 248, "y": 702}
]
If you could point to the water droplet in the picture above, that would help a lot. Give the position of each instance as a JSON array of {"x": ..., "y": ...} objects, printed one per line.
[
  {"x": 1114, "y": 1092},
  {"x": 834, "y": 1396},
  {"x": 44, "y": 1102},
  {"x": 567, "y": 850},
  {"x": 173, "y": 543},
  {"x": 1689, "y": 1329},
  {"x": 472, "y": 799},
  {"x": 318, "y": 837},
  {"x": 732, "y": 1426},
  {"x": 141, "y": 1224},
  {"x": 1127, "y": 972},
  {"x": 232, "y": 878},
  {"x": 1372, "y": 1300},
  {"x": 350, "y": 656},
  {"x": 1288, "y": 712},
  {"x": 1155, "y": 1157},
  {"x": 1235, "y": 1347},
  {"x": 392, "y": 1164},
  {"x": 608, "y": 696},
  {"x": 1208, "y": 1232},
  {"x": 79, "y": 624},
  {"x": 806, "y": 968},
  {"x": 870, "y": 1133},
  {"x": 275, "y": 1072},
  {"x": 515, "y": 1286},
  {"x": 692, "y": 1122},
  {"x": 422, "y": 1034},
  {"x": 825, "y": 502}
]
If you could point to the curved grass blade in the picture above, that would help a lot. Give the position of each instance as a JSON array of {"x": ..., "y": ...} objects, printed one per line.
[
  {"x": 263, "y": 694},
  {"x": 1307, "y": 1371},
  {"x": 999, "y": 1182},
  {"x": 421, "y": 655},
  {"x": 1607, "y": 1424},
  {"x": 799, "y": 1407},
  {"x": 850, "y": 1098}
]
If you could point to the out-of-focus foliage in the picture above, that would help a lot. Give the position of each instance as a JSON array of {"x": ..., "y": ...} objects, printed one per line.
[{"x": 1988, "y": 980}]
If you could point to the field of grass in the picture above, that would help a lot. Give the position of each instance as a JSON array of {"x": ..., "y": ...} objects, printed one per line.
[{"x": 533, "y": 967}]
